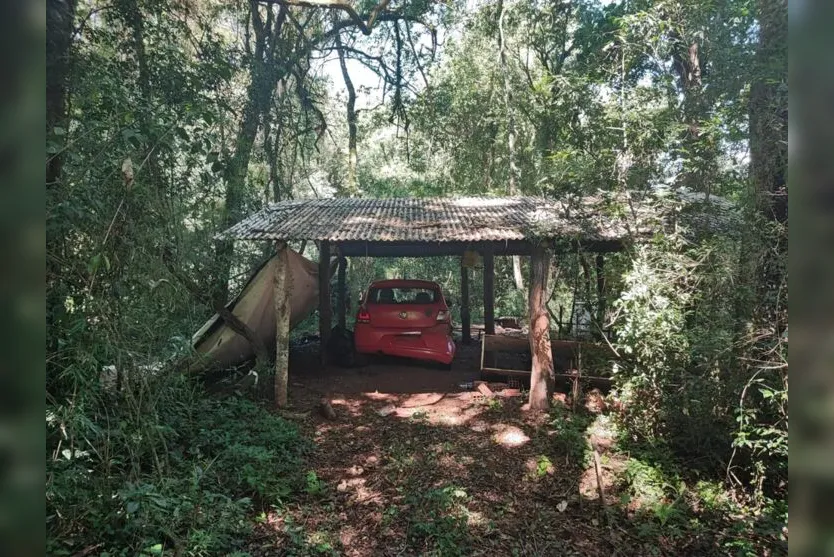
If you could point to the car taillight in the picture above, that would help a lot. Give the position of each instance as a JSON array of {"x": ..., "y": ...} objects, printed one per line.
[
  {"x": 443, "y": 315},
  {"x": 363, "y": 316}
]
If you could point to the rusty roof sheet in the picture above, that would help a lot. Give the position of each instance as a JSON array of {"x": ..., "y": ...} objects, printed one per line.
[
  {"x": 604, "y": 217},
  {"x": 472, "y": 219}
]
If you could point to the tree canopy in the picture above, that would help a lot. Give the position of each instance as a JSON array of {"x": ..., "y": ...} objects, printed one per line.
[{"x": 168, "y": 121}]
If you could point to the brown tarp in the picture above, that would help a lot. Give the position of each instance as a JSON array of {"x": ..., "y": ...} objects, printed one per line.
[{"x": 219, "y": 347}]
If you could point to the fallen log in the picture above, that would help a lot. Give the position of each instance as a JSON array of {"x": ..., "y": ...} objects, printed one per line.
[{"x": 600, "y": 488}]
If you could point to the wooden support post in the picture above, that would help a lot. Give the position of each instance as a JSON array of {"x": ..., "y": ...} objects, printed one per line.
[
  {"x": 489, "y": 291},
  {"x": 600, "y": 271},
  {"x": 542, "y": 377},
  {"x": 324, "y": 299},
  {"x": 281, "y": 298},
  {"x": 465, "y": 322},
  {"x": 340, "y": 289}
]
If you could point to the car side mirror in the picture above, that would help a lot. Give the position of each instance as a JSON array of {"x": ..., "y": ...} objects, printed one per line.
[{"x": 449, "y": 302}]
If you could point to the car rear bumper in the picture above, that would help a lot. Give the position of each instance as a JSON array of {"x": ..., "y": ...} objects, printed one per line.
[{"x": 433, "y": 344}]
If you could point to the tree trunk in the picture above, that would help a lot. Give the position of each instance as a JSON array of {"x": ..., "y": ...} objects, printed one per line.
[
  {"x": 512, "y": 184},
  {"x": 282, "y": 285},
  {"x": 699, "y": 152},
  {"x": 352, "y": 187},
  {"x": 769, "y": 114},
  {"x": 60, "y": 16},
  {"x": 768, "y": 165},
  {"x": 542, "y": 377},
  {"x": 266, "y": 72}
]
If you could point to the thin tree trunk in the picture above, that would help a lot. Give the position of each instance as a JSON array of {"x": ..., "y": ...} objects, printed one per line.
[
  {"x": 352, "y": 189},
  {"x": 699, "y": 153},
  {"x": 542, "y": 378},
  {"x": 512, "y": 184},
  {"x": 265, "y": 76}
]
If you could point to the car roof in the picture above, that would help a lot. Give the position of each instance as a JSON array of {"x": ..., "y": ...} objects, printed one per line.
[{"x": 404, "y": 283}]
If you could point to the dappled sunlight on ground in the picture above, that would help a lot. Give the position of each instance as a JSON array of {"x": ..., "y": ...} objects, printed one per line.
[
  {"x": 450, "y": 471},
  {"x": 509, "y": 436}
]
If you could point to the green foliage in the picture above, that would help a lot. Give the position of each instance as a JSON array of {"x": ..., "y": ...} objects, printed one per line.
[
  {"x": 543, "y": 465},
  {"x": 185, "y": 477},
  {"x": 437, "y": 522},
  {"x": 175, "y": 127},
  {"x": 301, "y": 543},
  {"x": 314, "y": 485},
  {"x": 680, "y": 386},
  {"x": 569, "y": 436},
  {"x": 651, "y": 334}
]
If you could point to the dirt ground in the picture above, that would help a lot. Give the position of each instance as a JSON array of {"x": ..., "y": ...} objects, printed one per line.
[
  {"x": 389, "y": 375},
  {"x": 414, "y": 464}
]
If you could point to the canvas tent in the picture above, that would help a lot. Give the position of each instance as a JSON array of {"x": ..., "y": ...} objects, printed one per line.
[{"x": 219, "y": 347}]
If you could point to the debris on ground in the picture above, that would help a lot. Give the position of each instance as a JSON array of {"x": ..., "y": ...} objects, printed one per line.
[
  {"x": 485, "y": 390},
  {"x": 326, "y": 409},
  {"x": 420, "y": 464}
]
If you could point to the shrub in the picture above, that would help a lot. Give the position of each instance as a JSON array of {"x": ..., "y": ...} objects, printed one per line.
[{"x": 183, "y": 478}]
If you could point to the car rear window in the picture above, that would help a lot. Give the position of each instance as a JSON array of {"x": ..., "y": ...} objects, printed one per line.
[{"x": 403, "y": 295}]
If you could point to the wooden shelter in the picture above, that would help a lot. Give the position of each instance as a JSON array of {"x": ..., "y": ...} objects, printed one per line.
[{"x": 427, "y": 227}]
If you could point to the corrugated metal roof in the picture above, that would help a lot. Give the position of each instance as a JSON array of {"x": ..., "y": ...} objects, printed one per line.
[{"x": 473, "y": 219}]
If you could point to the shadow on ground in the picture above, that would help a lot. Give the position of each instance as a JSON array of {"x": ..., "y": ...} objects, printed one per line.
[{"x": 414, "y": 465}]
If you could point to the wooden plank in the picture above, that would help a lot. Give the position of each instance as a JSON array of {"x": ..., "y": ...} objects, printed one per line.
[
  {"x": 542, "y": 375},
  {"x": 465, "y": 320},
  {"x": 324, "y": 300},
  {"x": 340, "y": 291},
  {"x": 489, "y": 291},
  {"x": 527, "y": 372},
  {"x": 282, "y": 286},
  {"x": 484, "y": 389},
  {"x": 575, "y": 345},
  {"x": 506, "y": 344},
  {"x": 500, "y": 371}
]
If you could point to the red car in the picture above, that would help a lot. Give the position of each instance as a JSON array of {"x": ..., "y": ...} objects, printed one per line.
[{"x": 408, "y": 318}]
